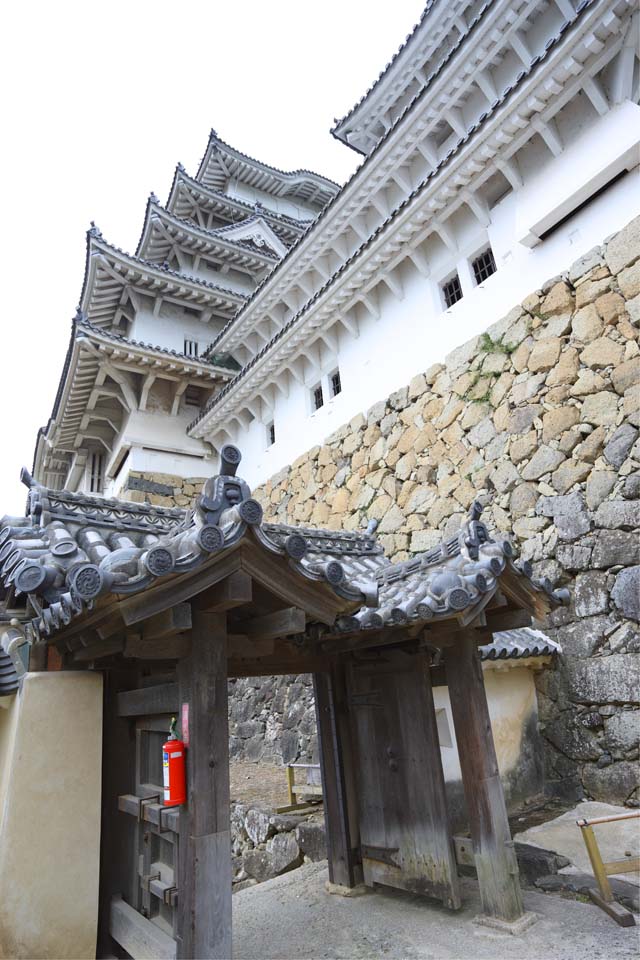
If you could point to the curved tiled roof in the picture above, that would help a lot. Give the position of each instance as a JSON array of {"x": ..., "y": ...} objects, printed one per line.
[
  {"x": 227, "y": 365},
  {"x": 276, "y": 171},
  {"x": 71, "y": 549}
]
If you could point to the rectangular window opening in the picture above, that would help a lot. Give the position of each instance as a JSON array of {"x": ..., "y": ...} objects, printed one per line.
[
  {"x": 96, "y": 473},
  {"x": 193, "y": 396},
  {"x": 335, "y": 383},
  {"x": 271, "y": 434},
  {"x": 191, "y": 348},
  {"x": 451, "y": 290},
  {"x": 317, "y": 397},
  {"x": 484, "y": 265}
]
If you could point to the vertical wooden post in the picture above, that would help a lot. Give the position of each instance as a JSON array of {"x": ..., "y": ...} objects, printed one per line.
[
  {"x": 338, "y": 782},
  {"x": 493, "y": 849},
  {"x": 204, "y": 885}
]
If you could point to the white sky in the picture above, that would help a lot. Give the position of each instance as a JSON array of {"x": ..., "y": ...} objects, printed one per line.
[{"x": 100, "y": 101}]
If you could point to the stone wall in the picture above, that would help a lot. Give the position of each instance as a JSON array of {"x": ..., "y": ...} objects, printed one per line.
[
  {"x": 539, "y": 418},
  {"x": 272, "y": 719}
]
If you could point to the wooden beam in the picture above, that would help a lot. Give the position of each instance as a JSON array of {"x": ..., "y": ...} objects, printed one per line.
[
  {"x": 337, "y": 763},
  {"x": 176, "y": 619},
  {"x": 272, "y": 626},
  {"x": 204, "y": 874},
  {"x": 94, "y": 651},
  {"x": 507, "y": 620},
  {"x": 163, "y": 648},
  {"x": 235, "y": 591},
  {"x": 276, "y": 666},
  {"x": 494, "y": 854},
  {"x": 137, "y": 935},
  {"x": 146, "y": 701}
]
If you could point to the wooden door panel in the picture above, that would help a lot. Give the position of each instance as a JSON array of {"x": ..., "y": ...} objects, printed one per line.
[{"x": 404, "y": 830}]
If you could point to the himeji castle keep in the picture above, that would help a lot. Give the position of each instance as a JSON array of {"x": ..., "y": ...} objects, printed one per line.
[{"x": 377, "y": 443}]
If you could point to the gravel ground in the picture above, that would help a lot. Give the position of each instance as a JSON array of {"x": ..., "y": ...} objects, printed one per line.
[{"x": 293, "y": 917}]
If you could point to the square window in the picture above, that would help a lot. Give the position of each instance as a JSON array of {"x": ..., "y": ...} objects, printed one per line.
[
  {"x": 317, "y": 397},
  {"x": 271, "y": 434},
  {"x": 335, "y": 383},
  {"x": 451, "y": 290},
  {"x": 484, "y": 265}
]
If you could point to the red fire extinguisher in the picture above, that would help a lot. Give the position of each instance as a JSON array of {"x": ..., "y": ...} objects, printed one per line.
[{"x": 173, "y": 769}]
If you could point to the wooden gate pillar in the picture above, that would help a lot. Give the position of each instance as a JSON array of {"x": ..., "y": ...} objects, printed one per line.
[
  {"x": 493, "y": 849},
  {"x": 338, "y": 783},
  {"x": 204, "y": 872}
]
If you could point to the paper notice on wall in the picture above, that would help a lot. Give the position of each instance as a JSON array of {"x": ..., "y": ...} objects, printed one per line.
[{"x": 184, "y": 723}]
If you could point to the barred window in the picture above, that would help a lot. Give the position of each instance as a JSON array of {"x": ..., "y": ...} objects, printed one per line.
[
  {"x": 317, "y": 397},
  {"x": 191, "y": 348},
  {"x": 335, "y": 383},
  {"x": 271, "y": 434},
  {"x": 451, "y": 290},
  {"x": 484, "y": 265}
]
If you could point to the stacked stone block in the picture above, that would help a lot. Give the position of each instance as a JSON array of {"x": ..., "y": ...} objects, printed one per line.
[{"x": 539, "y": 418}]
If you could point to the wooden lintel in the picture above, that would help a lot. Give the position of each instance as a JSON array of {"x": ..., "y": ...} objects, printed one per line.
[
  {"x": 235, "y": 591},
  {"x": 147, "y": 701},
  {"x": 272, "y": 626},
  {"x": 168, "y": 623},
  {"x": 94, "y": 651},
  {"x": 163, "y": 648},
  {"x": 240, "y": 646},
  {"x": 508, "y": 620},
  {"x": 276, "y": 667},
  {"x": 110, "y": 626}
]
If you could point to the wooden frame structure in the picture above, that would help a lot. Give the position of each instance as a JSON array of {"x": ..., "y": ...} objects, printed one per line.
[{"x": 215, "y": 594}]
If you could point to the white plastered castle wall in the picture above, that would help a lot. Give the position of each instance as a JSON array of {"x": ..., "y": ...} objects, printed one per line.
[
  {"x": 51, "y": 758},
  {"x": 416, "y": 331}
]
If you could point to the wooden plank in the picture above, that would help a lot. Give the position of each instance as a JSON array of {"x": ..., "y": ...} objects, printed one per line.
[
  {"x": 404, "y": 828},
  {"x": 204, "y": 874},
  {"x": 212, "y": 897},
  {"x": 141, "y": 939},
  {"x": 494, "y": 854},
  {"x": 235, "y": 591},
  {"x": 165, "y": 818},
  {"x": 622, "y": 916},
  {"x": 147, "y": 701},
  {"x": 163, "y": 648},
  {"x": 273, "y": 626},
  {"x": 337, "y": 766}
]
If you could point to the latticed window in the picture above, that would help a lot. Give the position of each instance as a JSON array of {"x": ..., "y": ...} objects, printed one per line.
[
  {"x": 193, "y": 396},
  {"x": 191, "y": 348},
  {"x": 317, "y": 397},
  {"x": 484, "y": 265},
  {"x": 96, "y": 473},
  {"x": 335, "y": 383},
  {"x": 451, "y": 290}
]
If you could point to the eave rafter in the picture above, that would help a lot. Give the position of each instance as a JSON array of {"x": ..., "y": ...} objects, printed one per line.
[{"x": 112, "y": 276}]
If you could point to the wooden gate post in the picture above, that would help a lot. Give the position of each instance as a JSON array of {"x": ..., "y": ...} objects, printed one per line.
[
  {"x": 338, "y": 784},
  {"x": 493, "y": 849},
  {"x": 204, "y": 873}
]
